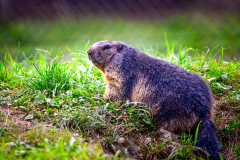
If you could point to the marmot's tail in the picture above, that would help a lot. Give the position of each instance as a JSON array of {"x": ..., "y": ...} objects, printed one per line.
[{"x": 207, "y": 138}]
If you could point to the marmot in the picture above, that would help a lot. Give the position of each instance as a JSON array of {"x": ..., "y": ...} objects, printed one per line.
[{"x": 179, "y": 99}]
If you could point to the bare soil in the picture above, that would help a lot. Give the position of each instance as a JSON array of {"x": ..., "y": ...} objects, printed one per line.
[{"x": 15, "y": 119}]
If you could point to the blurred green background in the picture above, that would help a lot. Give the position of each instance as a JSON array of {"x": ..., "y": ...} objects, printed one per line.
[{"x": 27, "y": 26}]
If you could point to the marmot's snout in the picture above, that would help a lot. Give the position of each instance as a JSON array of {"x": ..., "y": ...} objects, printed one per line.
[{"x": 90, "y": 52}]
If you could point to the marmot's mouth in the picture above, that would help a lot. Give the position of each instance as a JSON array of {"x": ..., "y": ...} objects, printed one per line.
[
  {"x": 96, "y": 64},
  {"x": 89, "y": 57}
]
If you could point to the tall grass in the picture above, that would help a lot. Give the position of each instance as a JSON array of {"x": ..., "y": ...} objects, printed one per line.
[
  {"x": 51, "y": 75},
  {"x": 4, "y": 74}
]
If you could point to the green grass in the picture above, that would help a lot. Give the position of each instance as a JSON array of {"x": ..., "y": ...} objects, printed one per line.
[
  {"x": 69, "y": 94},
  {"x": 4, "y": 75},
  {"x": 51, "y": 76},
  {"x": 51, "y": 144}
]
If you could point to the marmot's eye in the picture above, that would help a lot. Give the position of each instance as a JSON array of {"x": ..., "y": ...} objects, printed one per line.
[{"x": 106, "y": 47}]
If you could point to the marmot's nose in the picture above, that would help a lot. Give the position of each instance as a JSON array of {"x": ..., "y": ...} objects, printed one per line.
[{"x": 90, "y": 50}]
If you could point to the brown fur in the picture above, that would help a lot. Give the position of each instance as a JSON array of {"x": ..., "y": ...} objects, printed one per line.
[{"x": 180, "y": 100}]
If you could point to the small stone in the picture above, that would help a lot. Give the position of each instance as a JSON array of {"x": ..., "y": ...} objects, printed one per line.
[
  {"x": 148, "y": 140},
  {"x": 21, "y": 151},
  {"x": 121, "y": 140},
  {"x": 29, "y": 117},
  {"x": 22, "y": 143},
  {"x": 28, "y": 146},
  {"x": 22, "y": 107},
  {"x": 21, "y": 116},
  {"x": 75, "y": 134},
  {"x": 72, "y": 141},
  {"x": 11, "y": 144}
]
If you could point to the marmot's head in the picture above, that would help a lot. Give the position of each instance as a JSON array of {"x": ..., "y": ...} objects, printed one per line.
[{"x": 101, "y": 53}]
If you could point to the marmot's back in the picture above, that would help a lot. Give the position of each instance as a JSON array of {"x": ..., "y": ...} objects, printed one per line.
[
  {"x": 179, "y": 99},
  {"x": 168, "y": 89}
]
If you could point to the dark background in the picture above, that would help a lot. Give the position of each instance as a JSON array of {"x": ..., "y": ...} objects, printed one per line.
[{"x": 55, "y": 25}]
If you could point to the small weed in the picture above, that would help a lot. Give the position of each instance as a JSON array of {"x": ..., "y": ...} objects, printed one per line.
[
  {"x": 237, "y": 151},
  {"x": 5, "y": 75},
  {"x": 156, "y": 148},
  {"x": 231, "y": 126},
  {"x": 51, "y": 76},
  {"x": 186, "y": 151}
]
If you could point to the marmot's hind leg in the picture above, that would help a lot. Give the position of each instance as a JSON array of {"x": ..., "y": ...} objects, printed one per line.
[{"x": 177, "y": 121}]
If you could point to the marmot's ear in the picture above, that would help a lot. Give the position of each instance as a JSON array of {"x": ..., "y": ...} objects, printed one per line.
[{"x": 119, "y": 47}]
